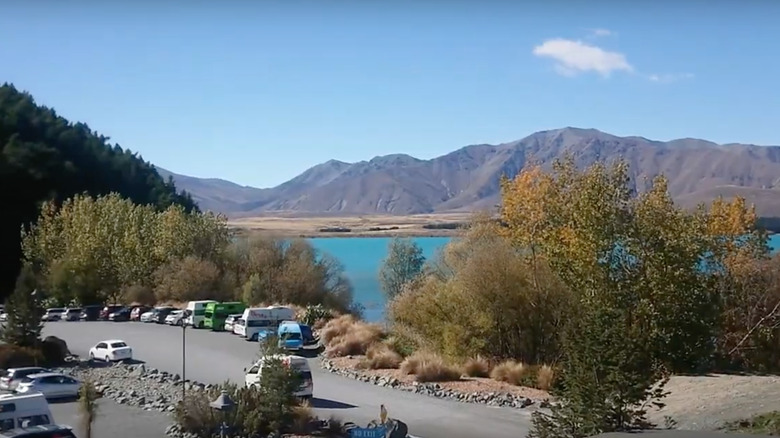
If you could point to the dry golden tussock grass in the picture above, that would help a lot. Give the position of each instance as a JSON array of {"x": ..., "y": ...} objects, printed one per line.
[
  {"x": 477, "y": 367},
  {"x": 346, "y": 336},
  {"x": 336, "y": 327},
  {"x": 303, "y": 416},
  {"x": 545, "y": 377},
  {"x": 510, "y": 371},
  {"x": 427, "y": 367},
  {"x": 381, "y": 357}
]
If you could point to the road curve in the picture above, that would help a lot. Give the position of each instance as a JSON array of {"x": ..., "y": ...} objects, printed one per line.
[{"x": 217, "y": 357}]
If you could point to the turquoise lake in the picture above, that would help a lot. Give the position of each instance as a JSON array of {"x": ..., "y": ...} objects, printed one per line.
[{"x": 362, "y": 257}]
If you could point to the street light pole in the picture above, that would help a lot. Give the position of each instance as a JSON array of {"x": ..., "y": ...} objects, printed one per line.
[{"x": 183, "y": 362}]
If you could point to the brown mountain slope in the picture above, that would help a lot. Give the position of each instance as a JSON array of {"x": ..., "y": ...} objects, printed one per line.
[{"x": 466, "y": 179}]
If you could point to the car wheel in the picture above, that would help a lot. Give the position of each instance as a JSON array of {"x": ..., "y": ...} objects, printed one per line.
[
  {"x": 254, "y": 338},
  {"x": 91, "y": 356},
  {"x": 179, "y": 323},
  {"x": 200, "y": 325},
  {"x": 107, "y": 359}
]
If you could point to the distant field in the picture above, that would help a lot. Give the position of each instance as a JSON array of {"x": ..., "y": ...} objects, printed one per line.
[{"x": 444, "y": 224}]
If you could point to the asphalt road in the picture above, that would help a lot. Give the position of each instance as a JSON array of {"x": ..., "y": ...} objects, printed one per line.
[
  {"x": 214, "y": 357},
  {"x": 113, "y": 420}
]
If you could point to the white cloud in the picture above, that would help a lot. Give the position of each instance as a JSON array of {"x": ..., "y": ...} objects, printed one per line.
[
  {"x": 601, "y": 32},
  {"x": 572, "y": 57},
  {"x": 669, "y": 77}
]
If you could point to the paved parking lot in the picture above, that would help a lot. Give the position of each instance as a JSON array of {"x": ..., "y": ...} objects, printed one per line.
[
  {"x": 216, "y": 357},
  {"x": 114, "y": 420}
]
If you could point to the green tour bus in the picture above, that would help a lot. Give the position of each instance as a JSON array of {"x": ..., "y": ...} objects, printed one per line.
[{"x": 216, "y": 314}]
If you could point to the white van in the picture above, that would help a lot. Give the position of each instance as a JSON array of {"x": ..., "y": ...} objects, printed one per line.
[
  {"x": 18, "y": 411},
  {"x": 298, "y": 363},
  {"x": 257, "y": 319},
  {"x": 196, "y": 309}
]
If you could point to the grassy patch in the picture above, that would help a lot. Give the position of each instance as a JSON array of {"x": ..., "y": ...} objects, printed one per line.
[{"x": 763, "y": 424}]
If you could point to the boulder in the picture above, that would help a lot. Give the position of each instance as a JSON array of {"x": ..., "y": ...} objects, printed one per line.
[{"x": 54, "y": 350}]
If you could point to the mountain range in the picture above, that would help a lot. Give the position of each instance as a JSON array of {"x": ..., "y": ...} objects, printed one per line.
[{"x": 468, "y": 178}]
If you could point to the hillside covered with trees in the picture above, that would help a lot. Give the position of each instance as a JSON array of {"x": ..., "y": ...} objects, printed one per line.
[{"x": 44, "y": 157}]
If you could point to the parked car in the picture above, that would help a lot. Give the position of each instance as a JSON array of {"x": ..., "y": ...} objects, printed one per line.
[
  {"x": 112, "y": 350},
  {"x": 176, "y": 317},
  {"x": 91, "y": 313},
  {"x": 53, "y": 314},
  {"x": 72, "y": 314},
  {"x": 160, "y": 313},
  {"x": 51, "y": 385},
  {"x": 120, "y": 315},
  {"x": 108, "y": 310},
  {"x": 41, "y": 431},
  {"x": 11, "y": 377},
  {"x": 147, "y": 316},
  {"x": 229, "y": 321},
  {"x": 135, "y": 314}
]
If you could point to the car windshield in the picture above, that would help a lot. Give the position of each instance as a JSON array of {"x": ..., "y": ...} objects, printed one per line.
[
  {"x": 55, "y": 310},
  {"x": 118, "y": 345}
]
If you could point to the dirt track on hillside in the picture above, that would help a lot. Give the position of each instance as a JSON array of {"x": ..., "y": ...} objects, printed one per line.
[{"x": 706, "y": 402}]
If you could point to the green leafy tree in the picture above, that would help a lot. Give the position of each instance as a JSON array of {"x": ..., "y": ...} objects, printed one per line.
[
  {"x": 404, "y": 264},
  {"x": 278, "y": 385},
  {"x": 23, "y": 324},
  {"x": 45, "y": 157}
]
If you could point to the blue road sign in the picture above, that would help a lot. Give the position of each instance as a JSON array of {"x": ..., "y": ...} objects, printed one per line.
[{"x": 368, "y": 432}]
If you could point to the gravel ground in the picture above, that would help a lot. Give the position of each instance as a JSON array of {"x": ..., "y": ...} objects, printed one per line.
[
  {"x": 213, "y": 358},
  {"x": 705, "y": 402},
  {"x": 114, "y": 420}
]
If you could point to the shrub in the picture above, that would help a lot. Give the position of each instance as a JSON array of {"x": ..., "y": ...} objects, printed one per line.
[
  {"x": 336, "y": 327},
  {"x": 380, "y": 357},
  {"x": 428, "y": 367},
  {"x": 511, "y": 372},
  {"x": 545, "y": 377},
  {"x": 303, "y": 422},
  {"x": 12, "y": 356},
  {"x": 346, "y": 336},
  {"x": 477, "y": 367},
  {"x": 400, "y": 345},
  {"x": 436, "y": 370},
  {"x": 316, "y": 313}
]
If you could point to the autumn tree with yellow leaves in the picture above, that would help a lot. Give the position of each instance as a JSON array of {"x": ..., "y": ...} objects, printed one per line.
[{"x": 618, "y": 286}]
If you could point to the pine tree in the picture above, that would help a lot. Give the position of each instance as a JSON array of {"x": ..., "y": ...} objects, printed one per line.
[{"x": 23, "y": 325}]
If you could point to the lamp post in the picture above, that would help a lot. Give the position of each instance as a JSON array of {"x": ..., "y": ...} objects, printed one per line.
[
  {"x": 183, "y": 362},
  {"x": 224, "y": 404}
]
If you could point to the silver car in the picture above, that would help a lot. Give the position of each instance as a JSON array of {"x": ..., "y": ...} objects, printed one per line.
[
  {"x": 11, "y": 377},
  {"x": 51, "y": 385}
]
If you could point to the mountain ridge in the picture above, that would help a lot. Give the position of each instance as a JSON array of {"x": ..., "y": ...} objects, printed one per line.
[{"x": 468, "y": 178}]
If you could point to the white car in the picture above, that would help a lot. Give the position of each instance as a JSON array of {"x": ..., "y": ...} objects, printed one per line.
[
  {"x": 53, "y": 314},
  {"x": 176, "y": 317},
  {"x": 51, "y": 385},
  {"x": 147, "y": 316},
  {"x": 229, "y": 321},
  {"x": 111, "y": 350}
]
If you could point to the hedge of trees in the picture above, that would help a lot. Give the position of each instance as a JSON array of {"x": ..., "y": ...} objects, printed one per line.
[
  {"x": 44, "y": 157},
  {"x": 109, "y": 250},
  {"x": 615, "y": 289}
]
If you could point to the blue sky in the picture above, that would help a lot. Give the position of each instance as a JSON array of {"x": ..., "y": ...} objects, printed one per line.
[{"x": 256, "y": 92}]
